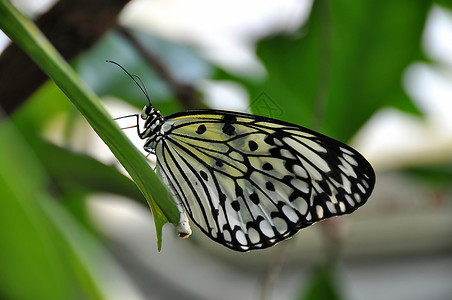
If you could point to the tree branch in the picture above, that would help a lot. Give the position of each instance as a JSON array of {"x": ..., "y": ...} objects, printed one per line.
[{"x": 72, "y": 27}]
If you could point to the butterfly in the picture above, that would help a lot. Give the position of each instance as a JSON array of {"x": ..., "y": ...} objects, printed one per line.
[{"x": 249, "y": 182}]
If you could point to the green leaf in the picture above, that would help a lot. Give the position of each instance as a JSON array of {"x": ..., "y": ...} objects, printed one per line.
[
  {"x": 75, "y": 171},
  {"x": 31, "y": 267},
  {"x": 445, "y": 3},
  {"x": 373, "y": 43},
  {"x": 32, "y": 261},
  {"x": 23, "y": 32},
  {"x": 342, "y": 66}
]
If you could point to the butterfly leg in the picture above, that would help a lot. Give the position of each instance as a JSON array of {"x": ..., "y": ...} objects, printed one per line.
[{"x": 137, "y": 125}]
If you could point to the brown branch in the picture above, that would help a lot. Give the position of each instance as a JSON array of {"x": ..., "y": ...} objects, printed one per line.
[{"x": 72, "y": 27}]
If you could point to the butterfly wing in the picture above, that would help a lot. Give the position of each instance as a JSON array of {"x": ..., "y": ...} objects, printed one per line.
[{"x": 249, "y": 182}]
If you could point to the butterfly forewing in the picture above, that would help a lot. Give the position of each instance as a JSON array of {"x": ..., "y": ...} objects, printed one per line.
[{"x": 249, "y": 182}]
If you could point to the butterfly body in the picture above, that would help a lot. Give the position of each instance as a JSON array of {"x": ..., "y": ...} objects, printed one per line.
[{"x": 249, "y": 182}]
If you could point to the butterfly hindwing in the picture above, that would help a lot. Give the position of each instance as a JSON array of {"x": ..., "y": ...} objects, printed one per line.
[{"x": 249, "y": 182}]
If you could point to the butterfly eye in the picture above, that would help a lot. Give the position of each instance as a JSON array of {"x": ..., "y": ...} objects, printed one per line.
[{"x": 145, "y": 112}]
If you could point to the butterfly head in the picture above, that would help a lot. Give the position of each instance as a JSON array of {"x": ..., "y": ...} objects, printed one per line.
[
  {"x": 146, "y": 112},
  {"x": 153, "y": 120}
]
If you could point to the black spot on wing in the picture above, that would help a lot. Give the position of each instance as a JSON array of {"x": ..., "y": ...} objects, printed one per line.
[
  {"x": 203, "y": 175},
  {"x": 201, "y": 129},
  {"x": 267, "y": 166},
  {"x": 254, "y": 198},
  {"x": 235, "y": 205},
  {"x": 228, "y": 127},
  {"x": 269, "y": 140},
  {"x": 252, "y": 145},
  {"x": 238, "y": 191},
  {"x": 269, "y": 186}
]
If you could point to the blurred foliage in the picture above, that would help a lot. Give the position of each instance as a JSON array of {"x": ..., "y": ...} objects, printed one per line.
[
  {"x": 35, "y": 259},
  {"x": 334, "y": 73},
  {"x": 322, "y": 285},
  {"x": 437, "y": 176},
  {"x": 343, "y": 65},
  {"x": 108, "y": 80}
]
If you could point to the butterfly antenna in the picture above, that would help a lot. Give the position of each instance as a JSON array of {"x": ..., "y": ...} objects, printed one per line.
[
  {"x": 143, "y": 88},
  {"x": 138, "y": 82}
]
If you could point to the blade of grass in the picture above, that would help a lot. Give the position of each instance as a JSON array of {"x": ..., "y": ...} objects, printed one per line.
[{"x": 23, "y": 32}]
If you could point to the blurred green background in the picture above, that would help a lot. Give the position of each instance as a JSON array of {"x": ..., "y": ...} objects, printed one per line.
[{"x": 377, "y": 75}]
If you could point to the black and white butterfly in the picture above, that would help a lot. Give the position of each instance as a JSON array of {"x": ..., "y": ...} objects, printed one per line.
[{"x": 249, "y": 182}]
